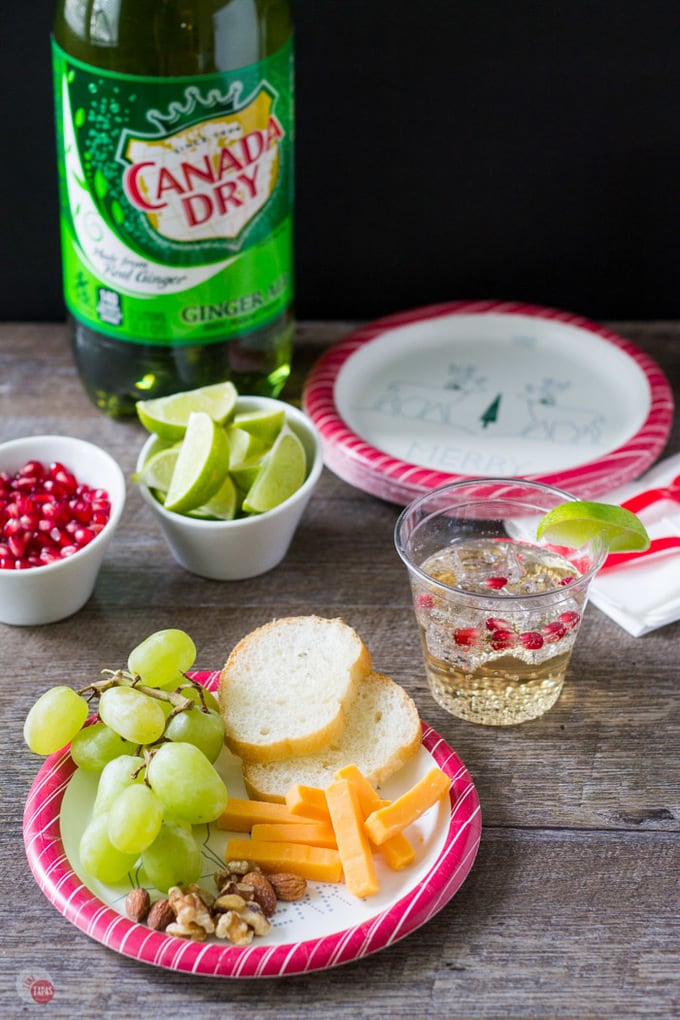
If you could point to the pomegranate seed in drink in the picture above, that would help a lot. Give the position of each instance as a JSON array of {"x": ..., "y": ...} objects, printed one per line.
[
  {"x": 553, "y": 631},
  {"x": 502, "y": 639},
  {"x": 497, "y": 623},
  {"x": 465, "y": 636},
  {"x": 531, "y": 639}
]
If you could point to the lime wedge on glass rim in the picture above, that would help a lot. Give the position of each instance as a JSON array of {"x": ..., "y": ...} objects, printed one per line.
[
  {"x": 282, "y": 472},
  {"x": 202, "y": 464},
  {"x": 575, "y": 523},
  {"x": 168, "y": 416}
]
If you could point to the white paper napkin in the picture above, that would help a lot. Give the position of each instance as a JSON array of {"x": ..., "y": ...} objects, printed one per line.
[{"x": 644, "y": 595}]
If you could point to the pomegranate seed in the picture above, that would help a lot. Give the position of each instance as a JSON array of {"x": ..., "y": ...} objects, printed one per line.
[
  {"x": 82, "y": 511},
  {"x": 62, "y": 476},
  {"x": 531, "y": 639},
  {"x": 496, "y": 583},
  {"x": 83, "y": 536},
  {"x": 570, "y": 619},
  {"x": 503, "y": 639},
  {"x": 49, "y": 555},
  {"x": 46, "y": 514},
  {"x": 567, "y": 580},
  {"x": 497, "y": 623},
  {"x": 553, "y": 632},
  {"x": 425, "y": 600},
  {"x": 55, "y": 511},
  {"x": 32, "y": 469},
  {"x": 25, "y": 483},
  {"x": 466, "y": 636},
  {"x": 12, "y": 526}
]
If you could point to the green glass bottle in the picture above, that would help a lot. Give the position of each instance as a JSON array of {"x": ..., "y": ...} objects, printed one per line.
[{"x": 175, "y": 156}]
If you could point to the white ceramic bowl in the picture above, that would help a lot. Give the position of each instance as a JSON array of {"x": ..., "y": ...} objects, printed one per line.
[
  {"x": 46, "y": 594},
  {"x": 247, "y": 546}
]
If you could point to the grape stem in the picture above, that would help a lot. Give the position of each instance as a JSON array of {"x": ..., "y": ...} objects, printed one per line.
[{"x": 121, "y": 678}]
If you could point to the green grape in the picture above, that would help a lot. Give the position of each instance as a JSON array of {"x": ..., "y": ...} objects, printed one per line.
[
  {"x": 96, "y": 745},
  {"x": 204, "y": 730},
  {"x": 162, "y": 658},
  {"x": 186, "y": 783},
  {"x": 132, "y": 714},
  {"x": 54, "y": 719},
  {"x": 99, "y": 857},
  {"x": 135, "y": 818},
  {"x": 174, "y": 857},
  {"x": 116, "y": 775}
]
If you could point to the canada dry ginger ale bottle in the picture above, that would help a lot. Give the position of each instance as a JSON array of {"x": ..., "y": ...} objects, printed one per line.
[{"x": 175, "y": 138}]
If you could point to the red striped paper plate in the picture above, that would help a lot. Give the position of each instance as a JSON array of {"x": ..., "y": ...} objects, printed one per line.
[
  {"x": 487, "y": 389},
  {"x": 328, "y": 928}
]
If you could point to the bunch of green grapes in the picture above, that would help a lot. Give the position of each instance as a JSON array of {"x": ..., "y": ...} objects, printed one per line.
[{"x": 154, "y": 742}]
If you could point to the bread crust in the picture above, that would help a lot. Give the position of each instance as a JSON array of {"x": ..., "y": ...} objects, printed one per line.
[{"x": 377, "y": 753}]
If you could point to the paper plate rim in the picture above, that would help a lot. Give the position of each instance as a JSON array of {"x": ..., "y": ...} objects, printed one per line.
[{"x": 398, "y": 481}]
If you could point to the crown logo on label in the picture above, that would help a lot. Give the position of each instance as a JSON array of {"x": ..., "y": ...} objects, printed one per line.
[{"x": 181, "y": 111}]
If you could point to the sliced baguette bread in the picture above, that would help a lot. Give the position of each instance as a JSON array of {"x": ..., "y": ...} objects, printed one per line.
[
  {"x": 383, "y": 732},
  {"x": 286, "y": 687}
]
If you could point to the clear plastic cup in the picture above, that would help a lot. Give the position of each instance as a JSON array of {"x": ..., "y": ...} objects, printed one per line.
[{"x": 497, "y": 610}]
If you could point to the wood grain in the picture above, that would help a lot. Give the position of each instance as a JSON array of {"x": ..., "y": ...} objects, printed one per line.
[{"x": 571, "y": 909}]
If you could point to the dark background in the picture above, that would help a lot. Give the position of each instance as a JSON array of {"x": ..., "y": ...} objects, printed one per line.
[{"x": 445, "y": 149}]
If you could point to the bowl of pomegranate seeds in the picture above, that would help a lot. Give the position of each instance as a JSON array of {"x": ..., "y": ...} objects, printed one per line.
[{"x": 60, "y": 502}]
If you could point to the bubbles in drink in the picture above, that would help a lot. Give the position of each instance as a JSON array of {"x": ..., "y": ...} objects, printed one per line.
[{"x": 498, "y": 639}]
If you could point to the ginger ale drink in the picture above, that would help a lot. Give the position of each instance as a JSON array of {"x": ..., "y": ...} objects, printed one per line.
[
  {"x": 498, "y": 615},
  {"x": 502, "y": 660}
]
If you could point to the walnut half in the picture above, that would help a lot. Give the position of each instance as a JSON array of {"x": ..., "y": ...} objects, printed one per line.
[{"x": 193, "y": 916}]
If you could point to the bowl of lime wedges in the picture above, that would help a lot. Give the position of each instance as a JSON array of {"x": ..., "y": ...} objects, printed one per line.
[{"x": 227, "y": 477}]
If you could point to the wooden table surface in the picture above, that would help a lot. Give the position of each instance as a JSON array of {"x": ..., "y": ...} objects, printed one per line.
[{"x": 571, "y": 908}]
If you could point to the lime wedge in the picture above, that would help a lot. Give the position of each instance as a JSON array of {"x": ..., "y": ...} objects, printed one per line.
[
  {"x": 157, "y": 471},
  {"x": 168, "y": 416},
  {"x": 243, "y": 446},
  {"x": 244, "y": 474},
  {"x": 574, "y": 524},
  {"x": 223, "y": 506},
  {"x": 281, "y": 474},
  {"x": 201, "y": 466},
  {"x": 264, "y": 425}
]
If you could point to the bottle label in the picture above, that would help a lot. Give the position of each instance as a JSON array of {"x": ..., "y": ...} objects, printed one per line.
[{"x": 176, "y": 199}]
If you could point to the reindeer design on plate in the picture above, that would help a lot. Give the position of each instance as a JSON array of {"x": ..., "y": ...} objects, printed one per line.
[
  {"x": 427, "y": 403},
  {"x": 559, "y": 422}
]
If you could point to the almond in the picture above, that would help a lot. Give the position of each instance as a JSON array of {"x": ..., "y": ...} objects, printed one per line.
[
  {"x": 288, "y": 887},
  {"x": 137, "y": 903},
  {"x": 160, "y": 915},
  {"x": 263, "y": 891}
]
